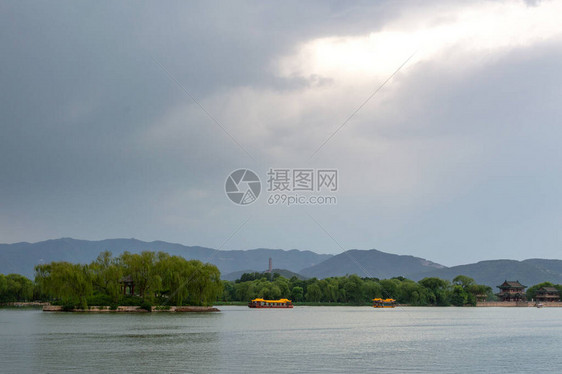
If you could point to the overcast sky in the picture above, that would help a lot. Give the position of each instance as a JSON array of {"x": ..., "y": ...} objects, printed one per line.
[{"x": 124, "y": 119}]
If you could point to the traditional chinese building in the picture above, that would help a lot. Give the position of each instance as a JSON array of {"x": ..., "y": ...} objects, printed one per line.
[
  {"x": 127, "y": 285},
  {"x": 511, "y": 291},
  {"x": 547, "y": 294},
  {"x": 481, "y": 297}
]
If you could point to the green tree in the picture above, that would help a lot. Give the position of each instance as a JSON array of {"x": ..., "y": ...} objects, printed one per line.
[
  {"x": 473, "y": 291},
  {"x": 106, "y": 272},
  {"x": 390, "y": 288},
  {"x": 463, "y": 281},
  {"x": 413, "y": 293},
  {"x": 438, "y": 290},
  {"x": 313, "y": 292},
  {"x": 353, "y": 287},
  {"x": 3, "y": 288},
  {"x": 242, "y": 291},
  {"x": 204, "y": 283},
  {"x": 532, "y": 291},
  {"x": 372, "y": 289},
  {"x": 141, "y": 267},
  {"x": 69, "y": 283},
  {"x": 331, "y": 293},
  {"x": 15, "y": 287},
  {"x": 459, "y": 296},
  {"x": 283, "y": 285},
  {"x": 477, "y": 291},
  {"x": 297, "y": 294},
  {"x": 229, "y": 291}
]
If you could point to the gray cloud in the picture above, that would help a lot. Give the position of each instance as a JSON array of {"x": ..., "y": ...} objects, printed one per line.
[{"x": 97, "y": 141}]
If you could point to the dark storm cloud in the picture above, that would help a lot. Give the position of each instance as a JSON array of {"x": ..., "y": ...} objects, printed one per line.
[
  {"x": 79, "y": 80},
  {"x": 97, "y": 140}
]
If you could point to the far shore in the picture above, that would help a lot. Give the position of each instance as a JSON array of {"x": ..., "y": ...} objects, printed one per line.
[
  {"x": 134, "y": 309},
  {"x": 25, "y": 304},
  {"x": 47, "y": 307}
]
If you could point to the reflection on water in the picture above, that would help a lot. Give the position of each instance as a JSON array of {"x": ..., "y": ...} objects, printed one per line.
[{"x": 317, "y": 339}]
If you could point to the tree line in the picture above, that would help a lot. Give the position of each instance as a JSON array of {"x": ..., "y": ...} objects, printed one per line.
[
  {"x": 158, "y": 278},
  {"x": 352, "y": 289},
  {"x": 15, "y": 287},
  {"x": 162, "y": 279}
]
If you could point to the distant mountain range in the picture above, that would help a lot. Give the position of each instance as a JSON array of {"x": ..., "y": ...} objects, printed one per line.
[
  {"x": 22, "y": 257},
  {"x": 494, "y": 272},
  {"x": 370, "y": 263}
]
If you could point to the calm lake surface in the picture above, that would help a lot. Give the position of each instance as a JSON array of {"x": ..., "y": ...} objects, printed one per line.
[{"x": 304, "y": 339}]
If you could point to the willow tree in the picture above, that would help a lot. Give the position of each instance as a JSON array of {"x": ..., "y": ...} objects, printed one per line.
[
  {"x": 175, "y": 273},
  {"x": 3, "y": 285},
  {"x": 204, "y": 283},
  {"x": 69, "y": 283},
  {"x": 142, "y": 268},
  {"x": 15, "y": 287},
  {"x": 313, "y": 292},
  {"x": 106, "y": 273}
]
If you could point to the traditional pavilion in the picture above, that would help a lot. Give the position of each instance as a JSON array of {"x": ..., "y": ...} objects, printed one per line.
[
  {"x": 511, "y": 291},
  {"x": 547, "y": 294},
  {"x": 481, "y": 297},
  {"x": 127, "y": 285}
]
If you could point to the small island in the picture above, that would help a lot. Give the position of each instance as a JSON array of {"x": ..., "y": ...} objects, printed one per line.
[{"x": 145, "y": 282}]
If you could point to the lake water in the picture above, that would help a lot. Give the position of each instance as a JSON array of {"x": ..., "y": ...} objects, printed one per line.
[{"x": 303, "y": 339}]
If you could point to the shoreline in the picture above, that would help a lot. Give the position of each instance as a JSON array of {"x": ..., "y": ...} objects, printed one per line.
[
  {"x": 134, "y": 309},
  {"x": 47, "y": 307},
  {"x": 24, "y": 304}
]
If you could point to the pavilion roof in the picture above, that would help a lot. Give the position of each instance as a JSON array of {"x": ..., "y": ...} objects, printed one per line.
[
  {"x": 511, "y": 284},
  {"x": 126, "y": 279},
  {"x": 548, "y": 289}
]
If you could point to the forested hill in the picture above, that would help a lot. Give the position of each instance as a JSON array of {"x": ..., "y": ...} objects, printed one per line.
[
  {"x": 494, "y": 272},
  {"x": 21, "y": 258},
  {"x": 282, "y": 272},
  {"x": 370, "y": 263}
]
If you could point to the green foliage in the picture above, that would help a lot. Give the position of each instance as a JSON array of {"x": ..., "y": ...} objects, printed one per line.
[
  {"x": 353, "y": 290},
  {"x": 15, "y": 287},
  {"x": 297, "y": 294},
  {"x": 532, "y": 291},
  {"x": 100, "y": 300},
  {"x": 146, "y": 305},
  {"x": 68, "y": 307},
  {"x": 3, "y": 284},
  {"x": 459, "y": 297},
  {"x": 157, "y": 277},
  {"x": 106, "y": 273},
  {"x": 438, "y": 290},
  {"x": 130, "y": 300},
  {"x": 470, "y": 291},
  {"x": 69, "y": 283},
  {"x": 356, "y": 291},
  {"x": 142, "y": 268},
  {"x": 313, "y": 293},
  {"x": 248, "y": 277},
  {"x": 463, "y": 281},
  {"x": 228, "y": 291}
]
